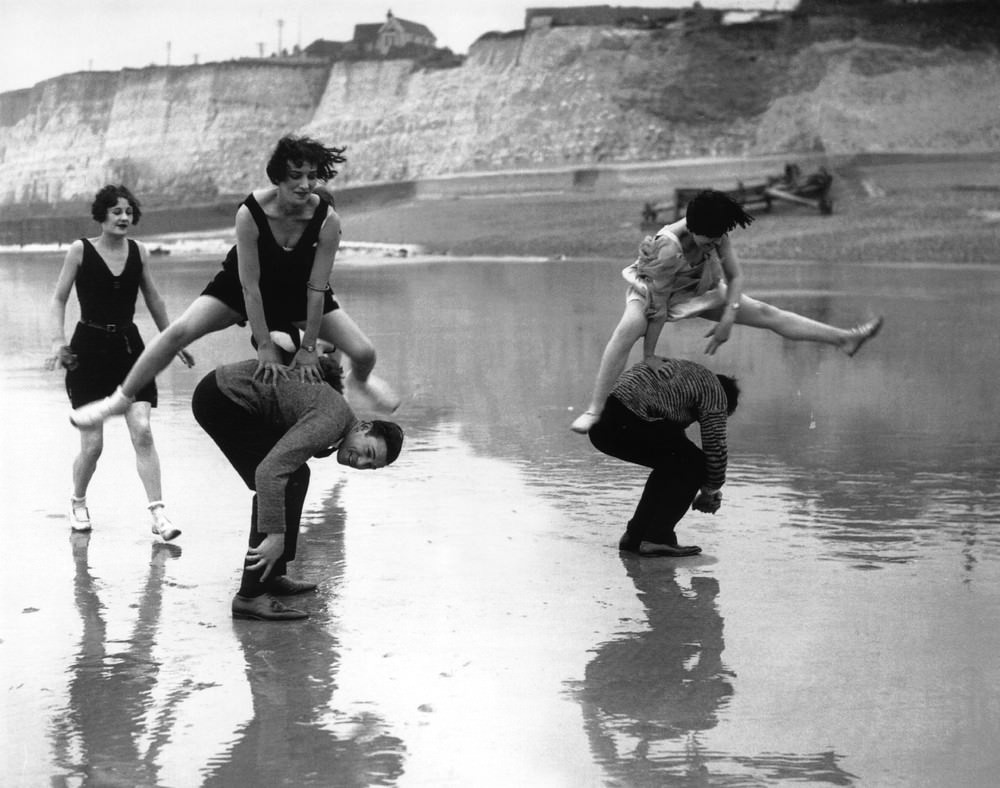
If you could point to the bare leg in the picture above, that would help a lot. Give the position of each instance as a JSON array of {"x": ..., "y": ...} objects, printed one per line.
[
  {"x": 362, "y": 386},
  {"x": 84, "y": 465},
  {"x": 147, "y": 463},
  {"x": 203, "y": 316},
  {"x": 631, "y": 326},
  {"x": 91, "y": 446},
  {"x": 338, "y": 328},
  {"x": 792, "y": 325},
  {"x": 147, "y": 460}
]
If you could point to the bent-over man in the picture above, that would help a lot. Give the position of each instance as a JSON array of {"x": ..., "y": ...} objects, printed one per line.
[
  {"x": 268, "y": 431},
  {"x": 643, "y": 422}
]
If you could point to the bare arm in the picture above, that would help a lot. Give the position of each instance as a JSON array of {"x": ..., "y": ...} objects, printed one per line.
[
  {"x": 269, "y": 365},
  {"x": 319, "y": 280},
  {"x": 650, "y": 338},
  {"x": 154, "y": 301},
  {"x": 734, "y": 290},
  {"x": 57, "y": 306}
]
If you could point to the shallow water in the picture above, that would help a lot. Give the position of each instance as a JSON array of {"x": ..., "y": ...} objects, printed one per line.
[{"x": 475, "y": 625}]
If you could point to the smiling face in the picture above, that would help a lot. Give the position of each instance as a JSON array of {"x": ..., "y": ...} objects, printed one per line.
[
  {"x": 361, "y": 450},
  {"x": 118, "y": 219},
  {"x": 298, "y": 183}
]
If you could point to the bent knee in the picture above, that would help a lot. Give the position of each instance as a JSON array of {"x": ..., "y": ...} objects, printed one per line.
[{"x": 364, "y": 355}]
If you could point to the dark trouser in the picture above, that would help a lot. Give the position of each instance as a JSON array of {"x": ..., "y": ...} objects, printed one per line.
[
  {"x": 678, "y": 469},
  {"x": 246, "y": 441}
]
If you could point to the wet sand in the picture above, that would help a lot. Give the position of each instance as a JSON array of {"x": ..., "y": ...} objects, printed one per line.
[{"x": 475, "y": 625}]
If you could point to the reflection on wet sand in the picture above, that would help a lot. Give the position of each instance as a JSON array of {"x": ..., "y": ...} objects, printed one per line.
[
  {"x": 107, "y": 736},
  {"x": 483, "y": 573},
  {"x": 648, "y": 696},
  {"x": 295, "y": 736}
]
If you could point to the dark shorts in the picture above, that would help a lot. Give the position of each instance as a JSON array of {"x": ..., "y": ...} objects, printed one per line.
[
  {"x": 279, "y": 309},
  {"x": 103, "y": 359}
]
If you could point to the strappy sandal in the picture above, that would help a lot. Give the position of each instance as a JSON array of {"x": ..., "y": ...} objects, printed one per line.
[{"x": 162, "y": 527}]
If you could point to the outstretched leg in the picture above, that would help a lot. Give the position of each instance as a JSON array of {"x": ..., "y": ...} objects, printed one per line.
[
  {"x": 632, "y": 325},
  {"x": 205, "y": 315},
  {"x": 792, "y": 325}
]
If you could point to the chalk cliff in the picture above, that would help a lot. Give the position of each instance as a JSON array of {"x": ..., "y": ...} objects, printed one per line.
[{"x": 561, "y": 96}]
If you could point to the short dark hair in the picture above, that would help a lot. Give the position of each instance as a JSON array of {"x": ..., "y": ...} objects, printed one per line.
[
  {"x": 299, "y": 150},
  {"x": 332, "y": 372},
  {"x": 732, "y": 390},
  {"x": 392, "y": 434},
  {"x": 107, "y": 198},
  {"x": 713, "y": 214}
]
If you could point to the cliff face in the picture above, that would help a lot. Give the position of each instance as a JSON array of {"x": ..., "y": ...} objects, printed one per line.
[
  {"x": 187, "y": 132},
  {"x": 553, "y": 97}
]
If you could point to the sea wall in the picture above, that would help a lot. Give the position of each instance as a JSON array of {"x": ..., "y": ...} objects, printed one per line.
[{"x": 572, "y": 96}]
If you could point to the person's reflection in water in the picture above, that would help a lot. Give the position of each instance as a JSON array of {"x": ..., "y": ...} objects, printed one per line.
[
  {"x": 107, "y": 736},
  {"x": 296, "y": 737},
  {"x": 661, "y": 684},
  {"x": 647, "y": 696}
]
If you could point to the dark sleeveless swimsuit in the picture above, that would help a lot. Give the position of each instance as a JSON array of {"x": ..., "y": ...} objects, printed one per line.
[
  {"x": 283, "y": 272},
  {"x": 106, "y": 342}
]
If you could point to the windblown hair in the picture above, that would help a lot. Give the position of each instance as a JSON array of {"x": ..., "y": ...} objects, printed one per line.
[
  {"x": 732, "y": 392},
  {"x": 107, "y": 198},
  {"x": 714, "y": 214},
  {"x": 301, "y": 150},
  {"x": 392, "y": 434}
]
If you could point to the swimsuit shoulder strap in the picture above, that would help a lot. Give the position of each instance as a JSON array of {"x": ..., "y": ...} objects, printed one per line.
[{"x": 316, "y": 223}]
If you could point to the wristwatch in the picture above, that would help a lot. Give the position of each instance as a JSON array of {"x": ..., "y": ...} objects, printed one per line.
[{"x": 308, "y": 348}]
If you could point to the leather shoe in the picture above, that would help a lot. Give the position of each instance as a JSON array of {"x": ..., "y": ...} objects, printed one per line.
[
  {"x": 629, "y": 543},
  {"x": 283, "y": 585},
  {"x": 265, "y": 608}
]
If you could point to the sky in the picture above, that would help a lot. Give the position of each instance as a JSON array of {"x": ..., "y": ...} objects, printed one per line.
[{"x": 40, "y": 39}]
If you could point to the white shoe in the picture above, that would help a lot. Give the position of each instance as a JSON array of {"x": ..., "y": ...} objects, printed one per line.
[
  {"x": 79, "y": 516},
  {"x": 584, "y": 422},
  {"x": 372, "y": 393},
  {"x": 162, "y": 527},
  {"x": 96, "y": 412}
]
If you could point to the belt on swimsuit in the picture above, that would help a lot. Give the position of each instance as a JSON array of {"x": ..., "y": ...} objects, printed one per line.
[{"x": 111, "y": 328}]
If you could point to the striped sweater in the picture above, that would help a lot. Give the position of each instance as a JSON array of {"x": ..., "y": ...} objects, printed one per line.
[{"x": 681, "y": 392}]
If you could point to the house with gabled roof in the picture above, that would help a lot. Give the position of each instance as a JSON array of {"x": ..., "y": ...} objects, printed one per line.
[
  {"x": 394, "y": 37},
  {"x": 399, "y": 33}
]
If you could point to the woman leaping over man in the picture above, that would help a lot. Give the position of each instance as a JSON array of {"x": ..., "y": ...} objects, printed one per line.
[
  {"x": 689, "y": 269},
  {"x": 276, "y": 277}
]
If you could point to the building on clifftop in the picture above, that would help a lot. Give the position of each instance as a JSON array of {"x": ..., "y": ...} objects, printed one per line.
[
  {"x": 392, "y": 38},
  {"x": 619, "y": 16}
]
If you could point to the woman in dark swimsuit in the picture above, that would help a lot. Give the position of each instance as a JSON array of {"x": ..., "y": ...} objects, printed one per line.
[
  {"x": 109, "y": 271},
  {"x": 277, "y": 277}
]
